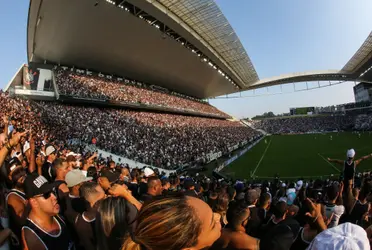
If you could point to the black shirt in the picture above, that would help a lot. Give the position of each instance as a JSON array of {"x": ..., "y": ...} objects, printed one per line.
[
  {"x": 61, "y": 241},
  {"x": 86, "y": 231},
  {"x": 46, "y": 170}
]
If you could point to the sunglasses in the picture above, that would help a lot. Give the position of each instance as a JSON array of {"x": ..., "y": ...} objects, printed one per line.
[{"x": 46, "y": 195}]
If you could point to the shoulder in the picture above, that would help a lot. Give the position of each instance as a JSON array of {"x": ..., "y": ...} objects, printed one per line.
[
  {"x": 63, "y": 187},
  {"x": 31, "y": 240},
  {"x": 15, "y": 199}
]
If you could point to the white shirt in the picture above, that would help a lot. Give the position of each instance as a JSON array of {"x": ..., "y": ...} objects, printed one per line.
[{"x": 337, "y": 212}]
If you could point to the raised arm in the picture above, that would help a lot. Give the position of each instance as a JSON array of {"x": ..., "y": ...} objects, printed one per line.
[
  {"x": 341, "y": 162},
  {"x": 9, "y": 145},
  {"x": 363, "y": 158}
]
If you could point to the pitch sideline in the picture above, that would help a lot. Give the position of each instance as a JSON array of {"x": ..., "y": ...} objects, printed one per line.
[{"x": 263, "y": 155}]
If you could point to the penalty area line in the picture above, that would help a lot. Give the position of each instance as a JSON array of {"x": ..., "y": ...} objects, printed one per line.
[
  {"x": 263, "y": 155},
  {"x": 329, "y": 163}
]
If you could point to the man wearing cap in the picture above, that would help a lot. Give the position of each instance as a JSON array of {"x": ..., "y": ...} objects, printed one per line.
[
  {"x": 349, "y": 167},
  {"x": 142, "y": 186},
  {"x": 44, "y": 229},
  {"x": 74, "y": 179},
  {"x": 16, "y": 199},
  {"x": 51, "y": 155}
]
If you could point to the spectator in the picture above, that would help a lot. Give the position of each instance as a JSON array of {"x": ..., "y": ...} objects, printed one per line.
[
  {"x": 74, "y": 179},
  {"x": 154, "y": 188},
  {"x": 234, "y": 236},
  {"x": 44, "y": 229},
  {"x": 85, "y": 222},
  {"x": 174, "y": 223},
  {"x": 333, "y": 212}
]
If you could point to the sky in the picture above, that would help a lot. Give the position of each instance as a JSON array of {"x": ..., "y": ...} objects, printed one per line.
[{"x": 279, "y": 36}]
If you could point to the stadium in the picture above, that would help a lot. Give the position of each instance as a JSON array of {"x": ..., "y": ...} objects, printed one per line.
[{"x": 122, "y": 108}]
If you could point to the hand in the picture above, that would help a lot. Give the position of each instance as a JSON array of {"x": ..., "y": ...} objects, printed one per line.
[
  {"x": 16, "y": 137},
  {"x": 328, "y": 159},
  {"x": 119, "y": 190},
  {"x": 314, "y": 210},
  {"x": 6, "y": 120},
  {"x": 341, "y": 187},
  {"x": 104, "y": 183}
]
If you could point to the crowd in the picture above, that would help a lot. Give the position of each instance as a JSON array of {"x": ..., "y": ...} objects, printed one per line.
[
  {"x": 161, "y": 140},
  {"x": 305, "y": 124},
  {"x": 363, "y": 122},
  {"x": 79, "y": 85},
  {"x": 58, "y": 196}
]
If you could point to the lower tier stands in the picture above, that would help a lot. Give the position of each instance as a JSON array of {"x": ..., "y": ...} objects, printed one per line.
[{"x": 162, "y": 140}]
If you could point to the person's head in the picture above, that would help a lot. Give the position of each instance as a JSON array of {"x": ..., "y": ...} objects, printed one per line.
[
  {"x": 165, "y": 183},
  {"x": 292, "y": 210},
  {"x": 264, "y": 200},
  {"x": 350, "y": 154},
  {"x": 74, "y": 179},
  {"x": 175, "y": 223},
  {"x": 134, "y": 175},
  {"x": 124, "y": 173},
  {"x": 41, "y": 195},
  {"x": 115, "y": 217},
  {"x": 61, "y": 167},
  {"x": 365, "y": 191},
  {"x": 174, "y": 181},
  {"x": 332, "y": 192},
  {"x": 16, "y": 173},
  {"x": 148, "y": 172},
  {"x": 280, "y": 210},
  {"x": 238, "y": 217},
  {"x": 222, "y": 203},
  {"x": 112, "y": 165},
  {"x": 154, "y": 186},
  {"x": 189, "y": 184},
  {"x": 72, "y": 162},
  {"x": 91, "y": 192},
  {"x": 51, "y": 153},
  {"x": 92, "y": 172},
  {"x": 251, "y": 197}
]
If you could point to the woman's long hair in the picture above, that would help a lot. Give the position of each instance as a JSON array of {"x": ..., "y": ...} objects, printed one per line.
[
  {"x": 115, "y": 218},
  {"x": 166, "y": 223}
]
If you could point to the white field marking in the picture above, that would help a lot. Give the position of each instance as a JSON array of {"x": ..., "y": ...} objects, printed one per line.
[
  {"x": 338, "y": 170},
  {"x": 263, "y": 155}
]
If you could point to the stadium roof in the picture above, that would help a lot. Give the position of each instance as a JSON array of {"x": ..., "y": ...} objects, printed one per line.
[{"x": 187, "y": 46}]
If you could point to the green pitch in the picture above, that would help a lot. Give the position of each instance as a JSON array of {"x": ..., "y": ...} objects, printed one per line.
[{"x": 295, "y": 156}]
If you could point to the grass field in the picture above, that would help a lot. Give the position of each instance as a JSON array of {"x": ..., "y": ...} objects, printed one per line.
[{"x": 295, "y": 156}]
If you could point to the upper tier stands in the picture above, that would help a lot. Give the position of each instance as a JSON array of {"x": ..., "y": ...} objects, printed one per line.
[{"x": 84, "y": 86}]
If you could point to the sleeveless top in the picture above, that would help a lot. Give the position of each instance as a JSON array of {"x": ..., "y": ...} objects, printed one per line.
[
  {"x": 300, "y": 243},
  {"x": 20, "y": 194},
  {"x": 61, "y": 241},
  {"x": 14, "y": 223},
  {"x": 349, "y": 170},
  {"x": 359, "y": 210}
]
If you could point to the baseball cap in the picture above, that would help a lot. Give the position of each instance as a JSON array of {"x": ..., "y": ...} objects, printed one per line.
[
  {"x": 188, "y": 183},
  {"x": 49, "y": 150},
  {"x": 12, "y": 164},
  {"x": 75, "y": 177},
  {"x": 299, "y": 184},
  {"x": 26, "y": 147},
  {"x": 148, "y": 172},
  {"x": 350, "y": 153},
  {"x": 251, "y": 195},
  {"x": 346, "y": 236},
  {"x": 35, "y": 184}
]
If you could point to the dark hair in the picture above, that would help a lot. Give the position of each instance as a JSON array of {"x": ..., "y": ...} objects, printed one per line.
[
  {"x": 280, "y": 209},
  {"x": 151, "y": 182},
  {"x": 264, "y": 199},
  {"x": 166, "y": 223},
  {"x": 222, "y": 204},
  {"x": 57, "y": 163},
  {"x": 332, "y": 191},
  {"x": 92, "y": 172},
  {"x": 87, "y": 189},
  {"x": 236, "y": 215},
  {"x": 115, "y": 218}
]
